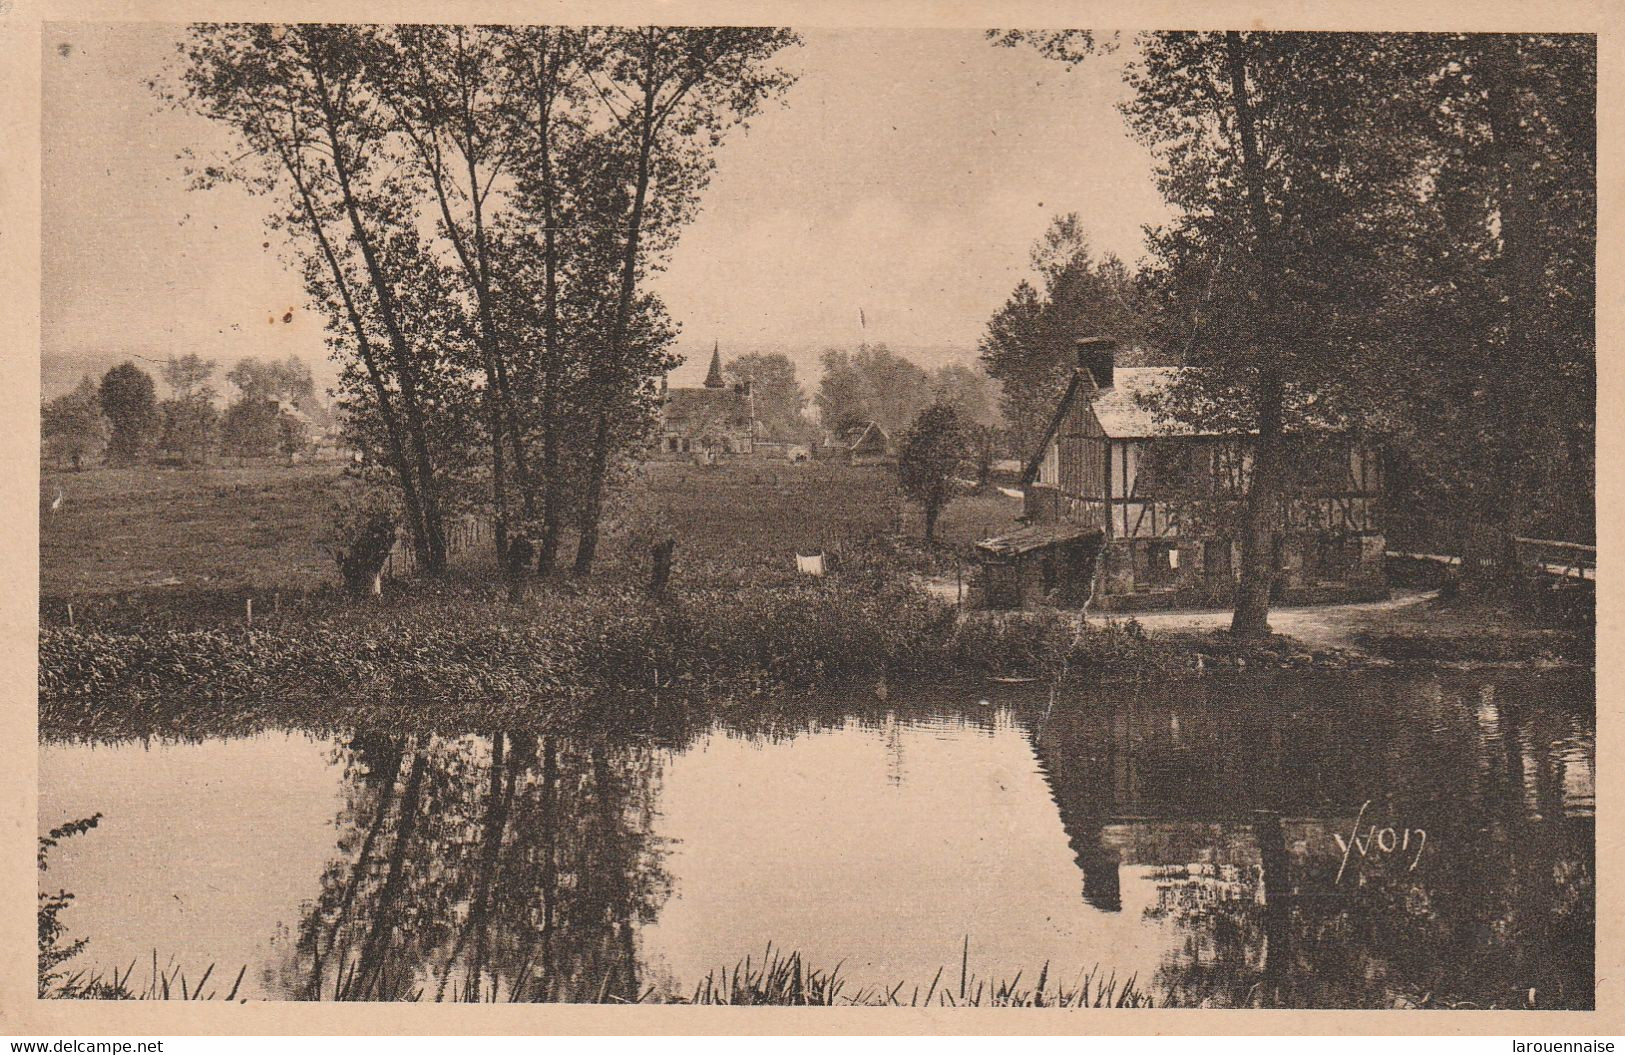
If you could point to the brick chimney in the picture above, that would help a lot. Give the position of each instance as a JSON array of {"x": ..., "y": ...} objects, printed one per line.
[{"x": 1098, "y": 355}]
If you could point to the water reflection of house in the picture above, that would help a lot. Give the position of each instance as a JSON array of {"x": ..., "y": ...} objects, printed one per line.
[
  {"x": 1172, "y": 778},
  {"x": 1226, "y": 819},
  {"x": 1125, "y": 504}
]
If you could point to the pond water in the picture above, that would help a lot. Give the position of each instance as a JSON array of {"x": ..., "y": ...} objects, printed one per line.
[{"x": 1341, "y": 841}]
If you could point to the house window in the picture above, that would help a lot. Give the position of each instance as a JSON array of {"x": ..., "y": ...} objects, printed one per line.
[
  {"x": 1156, "y": 564},
  {"x": 671, "y": 443}
]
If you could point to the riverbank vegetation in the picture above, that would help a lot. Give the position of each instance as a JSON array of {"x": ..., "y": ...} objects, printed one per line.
[{"x": 160, "y": 634}]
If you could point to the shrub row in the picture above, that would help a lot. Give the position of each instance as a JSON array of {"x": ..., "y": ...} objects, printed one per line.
[
  {"x": 460, "y": 652},
  {"x": 464, "y": 648}
]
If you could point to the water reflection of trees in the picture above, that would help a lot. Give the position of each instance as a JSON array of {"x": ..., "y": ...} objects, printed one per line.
[
  {"x": 1229, "y": 809},
  {"x": 504, "y": 867},
  {"x": 512, "y": 866}
]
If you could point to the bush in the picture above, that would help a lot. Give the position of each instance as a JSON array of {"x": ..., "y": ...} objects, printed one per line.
[{"x": 365, "y": 522}]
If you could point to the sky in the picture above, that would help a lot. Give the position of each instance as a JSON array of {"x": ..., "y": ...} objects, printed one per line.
[{"x": 904, "y": 176}]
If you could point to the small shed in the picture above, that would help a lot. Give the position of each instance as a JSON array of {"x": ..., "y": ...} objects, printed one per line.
[
  {"x": 868, "y": 444},
  {"x": 1040, "y": 564}
]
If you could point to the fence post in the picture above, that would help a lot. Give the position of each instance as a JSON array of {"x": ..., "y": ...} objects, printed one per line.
[
  {"x": 248, "y": 607},
  {"x": 70, "y": 615}
]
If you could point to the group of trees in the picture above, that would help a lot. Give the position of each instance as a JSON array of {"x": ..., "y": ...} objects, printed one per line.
[
  {"x": 73, "y": 430},
  {"x": 1396, "y": 231},
  {"x": 1028, "y": 346},
  {"x": 122, "y": 419},
  {"x": 777, "y": 396},
  {"x": 876, "y": 384},
  {"x": 476, "y": 210}
]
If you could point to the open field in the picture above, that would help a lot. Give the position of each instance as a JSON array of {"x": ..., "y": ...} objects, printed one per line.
[
  {"x": 746, "y": 521},
  {"x": 222, "y": 531},
  {"x": 149, "y": 528}
]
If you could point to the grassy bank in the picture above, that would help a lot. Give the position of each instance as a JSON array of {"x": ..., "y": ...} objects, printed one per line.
[
  {"x": 458, "y": 652},
  {"x": 1460, "y": 631},
  {"x": 159, "y": 564}
]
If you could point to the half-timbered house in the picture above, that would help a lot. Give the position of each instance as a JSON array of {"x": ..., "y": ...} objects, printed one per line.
[{"x": 1127, "y": 508}]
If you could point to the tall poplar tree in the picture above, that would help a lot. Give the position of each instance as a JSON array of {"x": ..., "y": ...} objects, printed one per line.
[
  {"x": 671, "y": 94},
  {"x": 314, "y": 137}
]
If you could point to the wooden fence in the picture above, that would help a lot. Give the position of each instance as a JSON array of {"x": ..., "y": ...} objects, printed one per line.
[
  {"x": 1536, "y": 557},
  {"x": 1572, "y": 561}
]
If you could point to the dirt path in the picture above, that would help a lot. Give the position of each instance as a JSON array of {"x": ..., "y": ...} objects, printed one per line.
[{"x": 1321, "y": 626}]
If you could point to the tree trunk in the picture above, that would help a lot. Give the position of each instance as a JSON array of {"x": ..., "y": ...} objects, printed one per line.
[
  {"x": 592, "y": 507},
  {"x": 518, "y": 558},
  {"x": 472, "y": 254},
  {"x": 1264, "y": 485},
  {"x": 1261, "y": 526},
  {"x": 411, "y": 497},
  {"x": 592, "y": 501},
  {"x": 660, "y": 572},
  {"x": 1517, "y": 363},
  {"x": 552, "y": 372},
  {"x": 433, "y": 545}
]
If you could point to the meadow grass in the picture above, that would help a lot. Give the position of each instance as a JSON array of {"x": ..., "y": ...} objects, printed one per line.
[
  {"x": 154, "y": 529},
  {"x": 161, "y": 983},
  {"x": 745, "y": 521},
  {"x": 776, "y": 979},
  {"x": 780, "y": 979},
  {"x": 185, "y": 547}
]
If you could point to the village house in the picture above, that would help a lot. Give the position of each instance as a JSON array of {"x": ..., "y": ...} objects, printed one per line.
[
  {"x": 1125, "y": 509},
  {"x": 708, "y": 423},
  {"x": 865, "y": 444}
]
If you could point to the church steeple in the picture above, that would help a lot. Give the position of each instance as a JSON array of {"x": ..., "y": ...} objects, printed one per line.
[{"x": 713, "y": 378}]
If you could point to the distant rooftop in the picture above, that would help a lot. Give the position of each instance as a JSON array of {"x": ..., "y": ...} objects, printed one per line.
[{"x": 687, "y": 403}]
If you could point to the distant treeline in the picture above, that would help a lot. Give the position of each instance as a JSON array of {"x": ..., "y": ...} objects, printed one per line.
[{"x": 120, "y": 420}]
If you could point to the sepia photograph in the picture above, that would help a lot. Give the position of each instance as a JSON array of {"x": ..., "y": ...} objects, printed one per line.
[{"x": 821, "y": 516}]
